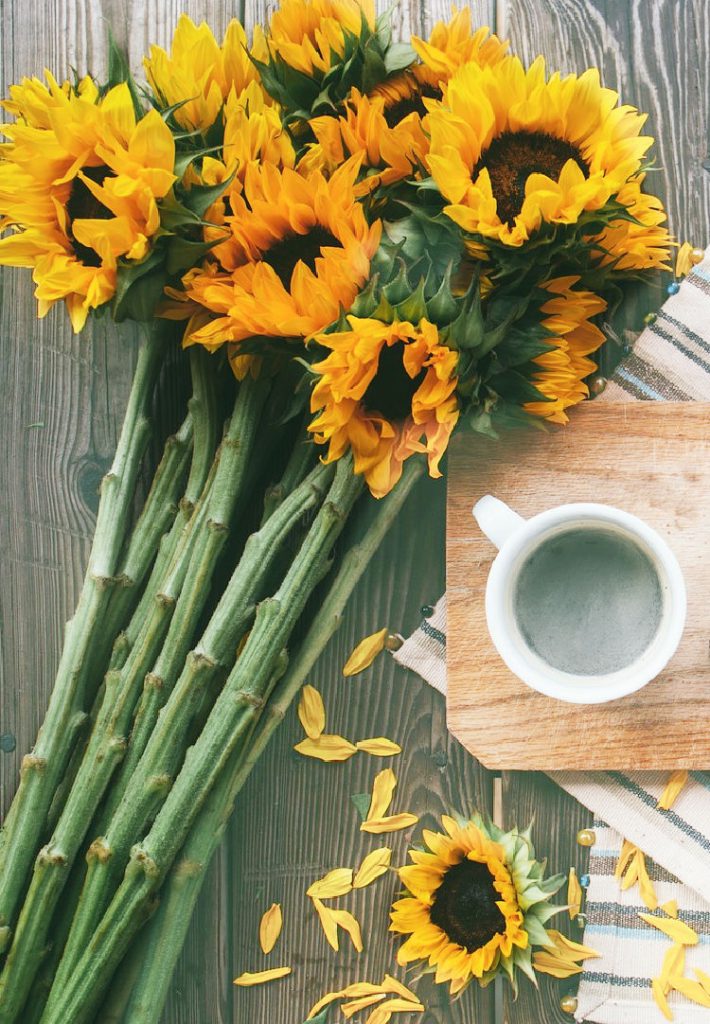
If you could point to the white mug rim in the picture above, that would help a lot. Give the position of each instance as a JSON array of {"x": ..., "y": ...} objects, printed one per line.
[{"x": 583, "y": 689}]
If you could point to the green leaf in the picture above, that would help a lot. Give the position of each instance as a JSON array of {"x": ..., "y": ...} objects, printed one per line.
[
  {"x": 200, "y": 197},
  {"x": 321, "y": 1018},
  {"x": 362, "y": 803},
  {"x": 182, "y": 254},
  {"x": 140, "y": 300},
  {"x": 374, "y": 71},
  {"x": 119, "y": 71},
  {"x": 398, "y": 57}
]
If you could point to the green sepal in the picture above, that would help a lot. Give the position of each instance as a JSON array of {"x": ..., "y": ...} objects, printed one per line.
[
  {"x": 516, "y": 388},
  {"x": 321, "y": 1018},
  {"x": 398, "y": 289},
  {"x": 414, "y": 307},
  {"x": 139, "y": 288},
  {"x": 399, "y": 57},
  {"x": 183, "y": 160},
  {"x": 200, "y": 197},
  {"x": 182, "y": 254},
  {"x": 537, "y": 934},
  {"x": 119, "y": 71},
  {"x": 442, "y": 306},
  {"x": 362, "y": 803}
]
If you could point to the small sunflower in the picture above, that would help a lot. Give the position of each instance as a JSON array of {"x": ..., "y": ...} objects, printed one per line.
[
  {"x": 80, "y": 182},
  {"x": 311, "y": 35},
  {"x": 199, "y": 74},
  {"x": 476, "y": 903},
  {"x": 559, "y": 373},
  {"x": 301, "y": 249},
  {"x": 511, "y": 149},
  {"x": 385, "y": 391}
]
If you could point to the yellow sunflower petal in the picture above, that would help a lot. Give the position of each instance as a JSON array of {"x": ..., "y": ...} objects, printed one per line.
[
  {"x": 379, "y": 747},
  {"x": 676, "y": 930},
  {"x": 327, "y": 748},
  {"x": 670, "y": 908},
  {"x": 311, "y": 712},
  {"x": 574, "y": 894},
  {"x": 365, "y": 653},
  {"x": 326, "y": 1000},
  {"x": 328, "y": 922},
  {"x": 247, "y": 979},
  {"x": 390, "y": 984},
  {"x": 627, "y": 851},
  {"x": 660, "y": 999},
  {"x": 703, "y": 978},
  {"x": 385, "y": 1011},
  {"x": 569, "y": 948},
  {"x": 676, "y": 783},
  {"x": 673, "y": 964},
  {"x": 382, "y": 792},
  {"x": 270, "y": 927},
  {"x": 336, "y": 883},
  {"x": 348, "y": 1009},
  {"x": 646, "y": 887},
  {"x": 546, "y": 963},
  {"x": 394, "y": 823},
  {"x": 345, "y": 920},
  {"x": 373, "y": 866},
  {"x": 692, "y": 990}
]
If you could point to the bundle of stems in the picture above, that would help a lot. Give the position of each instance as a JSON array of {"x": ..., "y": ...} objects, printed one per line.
[{"x": 170, "y": 685}]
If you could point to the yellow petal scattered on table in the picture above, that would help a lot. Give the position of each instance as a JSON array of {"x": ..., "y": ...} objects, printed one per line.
[
  {"x": 379, "y": 747},
  {"x": 391, "y": 824},
  {"x": 674, "y": 786},
  {"x": 311, "y": 712},
  {"x": 627, "y": 851},
  {"x": 570, "y": 949},
  {"x": 676, "y": 930},
  {"x": 383, "y": 789},
  {"x": 574, "y": 894},
  {"x": 247, "y": 979},
  {"x": 365, "y": 653},
  {"x": 660, "y": 999},
  {"x": 336, "y": 883},
  {"x": 345, "y": 920},
  {"x": 373, "y": 866},
  {"x": 691, "y": 990},
  {"x": 703, "y": 978},
  {"x": 328, "y": 998},
  {"x": 390, "y": 984},
  {"x": 670, "y": 908},
  {"x": 327, "y": 748},
  {"x": 328, "y": 923},
  {"x": 270, "y": 927},
  {"x": 557, "y": 966},
  {"x": 348, "y": 1009},
  {"x": 646, "y": 887},
  {"x": 673, "y": 964},
  {"x": 384, "y": 1011},
  {"x": 632, "y": 873}
]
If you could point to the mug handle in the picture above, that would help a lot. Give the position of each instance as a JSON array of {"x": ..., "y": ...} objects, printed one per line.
[{"x": 497, "y": 521}]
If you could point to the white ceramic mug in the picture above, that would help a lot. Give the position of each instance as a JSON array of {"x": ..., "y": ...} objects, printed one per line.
[{"x": 517, "y": 539}]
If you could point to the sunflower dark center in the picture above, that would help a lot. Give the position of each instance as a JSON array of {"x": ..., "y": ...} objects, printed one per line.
[
  {"x": 285, "y": 254},
  {"x": 465, "y": 905},
  {"x": 391, "y": 391},
  {"x": 514, "y": 156},
  {"x": 83, "y": 204},
  {"x": 411, "y": 105}
]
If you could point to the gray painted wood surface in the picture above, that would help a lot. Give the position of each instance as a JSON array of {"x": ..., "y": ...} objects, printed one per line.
[{"x": 62, "y": 402}]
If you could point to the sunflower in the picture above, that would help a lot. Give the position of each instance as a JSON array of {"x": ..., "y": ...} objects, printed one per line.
[
  {"x": 79, "y": 184},
  {"x": 386, "y": 391},
  {"x": 511, "y": 150},
  {"x": 476, "y": 903},
  {"x": 559, "y": 373},
  {"x": 301, "y": 248},
  {"x": 199, "y": 74},
  {"x": 311, "y": 35}
]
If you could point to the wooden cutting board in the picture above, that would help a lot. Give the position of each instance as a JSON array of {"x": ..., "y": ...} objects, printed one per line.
[{"x": 651, "y": 459}]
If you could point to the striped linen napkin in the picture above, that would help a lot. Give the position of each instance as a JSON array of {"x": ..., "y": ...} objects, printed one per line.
[{"x": 669, "y": 362}]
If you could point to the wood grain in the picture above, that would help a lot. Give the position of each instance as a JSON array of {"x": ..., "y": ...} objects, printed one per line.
[{"x": 650, "y": 459}]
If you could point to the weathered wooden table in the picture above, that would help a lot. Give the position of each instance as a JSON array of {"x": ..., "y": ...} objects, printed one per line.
[{"x": 62, "y": 402}]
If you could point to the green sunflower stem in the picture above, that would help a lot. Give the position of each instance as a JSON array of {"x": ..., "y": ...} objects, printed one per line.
[
  {"x": 229, "y": 723},
  {"x": 141, "y": 988},
  {"x": 165, "y": 744},
  {"x": 43, "y": 769}
]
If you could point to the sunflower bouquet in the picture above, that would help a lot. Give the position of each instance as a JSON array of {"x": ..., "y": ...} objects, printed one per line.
[{"x": 362, "y": 245}]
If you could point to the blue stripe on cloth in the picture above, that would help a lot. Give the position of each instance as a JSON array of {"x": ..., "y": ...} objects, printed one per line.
[
  {"x": 433, "y": 632},
  {"x": 651, "y": 801},
  {"x": 610, "y": 906},
  {"x": 702, "y": 272},
  {"x": 617, "y": 980},
  {"x": 653, "y": 934},
  {"x": 642, "y": 386}
]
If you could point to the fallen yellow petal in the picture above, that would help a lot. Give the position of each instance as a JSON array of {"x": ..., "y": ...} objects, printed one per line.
[
  {"x": 359, "y": 989},
  {"x": 328, "y": 922},
  {"x": 348, "y": 1009},
  {"x": 661, "y": 1001},
  {"x": 365, "y": 653},
  {"x": 383, "y": 789},
  {"x": 391, "y": 824},
  {"x": 574, "y": 894},
  {"x": 390, "y": 984},
  {"x": 670, "y": 908},
  {"x": 327, "y": 748},
  {"x": 336, "y": 883},
  {"x": 690, "y": 989},
  {"x": 379, "y": 747},
  {"x": 547, "y": 963},
  {"x": 384, "y": 1011},
  {"x": 674, "y": 786},
  {"x": 373, "y": 866},
  {"x": 330, "y": 997},
  {"x": 311, "y": 712},
  {"x": 260, "y": 977},
  {"x": 569, "y": 948},
  {"x": 676, "y": 930},
  {"x": 703, "y": 978},
  {"x": 632, "y": 872},
  {"x": 673, "y": 964},
  {"x": 646, "y": 887},
  {"x": 627, "y": 851},
  {"x": 270, "y": 927},
  {"x": 345, "y": 920}
]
